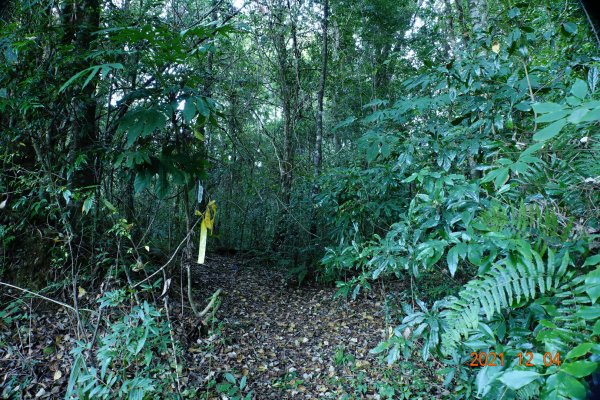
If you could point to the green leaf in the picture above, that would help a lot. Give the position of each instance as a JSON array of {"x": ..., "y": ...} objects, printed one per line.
[
  {"x": 93, "y": 73},
  {"x": 452, "y": 259},
  {"x": 344, "y": 123},
  {"x": 87, "y": 205},
  {"x": 592, "y": 115},
  {"x": 573, "y": 388},
  {"x": 230, "y": 378},
  {"x": 592, "y": 78},
  {"x": 570, "y": 28},
  {"x": 523, "y": 106},
  {"x": 372, "y": 152},
  {"x": 596, "y": 330},
  {"x": 592, "y": 312},
  {"x": 515, "y": 380},
  {"x": 502, "y": 177},
  {"x": 141, "y": 122},
  {"x": 543, "y": 108},
  {"x": 72, "y": 79},
  {"x": 579, "y": 369},
  {"x": 592, "y": 284},
  {"x": 381, "y": 347},
  {"x": 142, "y": 180},
  {"x": 550, "y": 131},
  {"x": 579, "y": 350},
  {"x": 579, "y": 89},
  {"x": 553, "y": 116},
  {"x": 67, "y": 195},
  {"x": 189, "y": 111},
  {"x": 93, "y": 70},
  {"x": 578, "y": 115},
  {"x": 592, "y": 260}
]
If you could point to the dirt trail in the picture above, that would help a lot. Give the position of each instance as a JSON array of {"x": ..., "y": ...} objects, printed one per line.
[{"x": 292, "y": 342}]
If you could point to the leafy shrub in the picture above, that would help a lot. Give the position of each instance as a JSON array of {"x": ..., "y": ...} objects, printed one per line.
[
  {"x": 132, "y": 358},
  {"x": 494, "y": 168}
]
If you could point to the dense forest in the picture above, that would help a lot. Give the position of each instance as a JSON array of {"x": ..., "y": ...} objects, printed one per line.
[{"x": 296, "y": 199}]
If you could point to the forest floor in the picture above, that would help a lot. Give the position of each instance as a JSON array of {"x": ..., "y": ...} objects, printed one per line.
[
  {"x": 296, "y": 341},
  {"x": 292, "y": 342}
]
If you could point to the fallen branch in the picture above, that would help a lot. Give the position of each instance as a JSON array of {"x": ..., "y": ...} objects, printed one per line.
[
  {"x": 170, "y": 259},
  {"x": 211, "y": 303},
  {"x": 41, "y": 296}
]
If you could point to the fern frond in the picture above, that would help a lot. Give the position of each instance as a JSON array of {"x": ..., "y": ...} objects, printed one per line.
[{"x": 515, "y": 279}]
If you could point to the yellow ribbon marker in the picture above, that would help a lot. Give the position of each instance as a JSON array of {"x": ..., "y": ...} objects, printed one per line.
[{"x": 208, "y": 220}]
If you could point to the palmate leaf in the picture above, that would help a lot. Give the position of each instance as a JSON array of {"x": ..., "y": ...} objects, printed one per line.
[
  {"x": 141, "y": 122},
  {"x": 91, "y": 71}
]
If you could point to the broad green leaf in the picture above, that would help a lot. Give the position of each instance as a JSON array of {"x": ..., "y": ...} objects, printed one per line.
[
  {"x": 141, "y": 122},
  {"x": 515, "y": 380},
  {"x": 570, "y": 28},
  {"x": 579, "y": 89},
  {"x": 553, "y": 116},
  {"x": 93, "y": 73},
  {"x": 550, "y": 131},
  {"x": 93, "y": 70},
  {"x": 592, "y": 312},
  {"x": 596, "y": 330},
  {"x": 502, "y": 177},
  {"x": 571, "y": 387},
  {"x": 189, "y": 111},
  {"x": 142, "y": 180},
  {"x": 67, "y": 196},
  {"x": 543, "y": 108},
  {"x": 72, "y": 79},
  {"x": 87, "y": 205},
  {"x": 592, "y": 115},
  {"x": 452, "y": 259},
  {"x": 579, "y": 350},
  {"x": 592, "y": 260},
  {"x": 344, "y": 123},
  {"x": 579, "y": 369},
  {"x": 592, "y": 284},
  {"x": 578, "y": 115}
]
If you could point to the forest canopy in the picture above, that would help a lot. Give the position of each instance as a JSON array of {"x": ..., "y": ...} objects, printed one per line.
[{"x": 409, "y": 190}]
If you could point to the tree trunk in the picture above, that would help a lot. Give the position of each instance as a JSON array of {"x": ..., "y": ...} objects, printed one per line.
[
  {"x": 462, "y": 19},
  {"x": 320, "y": 94},
  {"x": 450, "y": 32},
  {"x": 289, "y": 81},
  {"x": 478, "y": 14},
  {"x": 80, "y": 20}
]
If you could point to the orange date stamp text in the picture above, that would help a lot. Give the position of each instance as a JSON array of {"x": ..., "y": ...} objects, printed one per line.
[{"x": 493, "y": 359}]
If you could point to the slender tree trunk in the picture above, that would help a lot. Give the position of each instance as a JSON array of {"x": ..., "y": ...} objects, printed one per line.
[
  {"x": 478, "y": 15},
  {"x": 317, "y": 160},
  {"x": 450, "y": 32},
  {"x": 462, "y": 19},
  {"x": 80, "y": 20},
  {"x": 289, "y": 81}
]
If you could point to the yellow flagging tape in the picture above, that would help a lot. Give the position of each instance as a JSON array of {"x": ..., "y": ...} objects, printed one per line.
[
  {"x": 202, "y": 247},
  {"x": 208, "y": 220}
]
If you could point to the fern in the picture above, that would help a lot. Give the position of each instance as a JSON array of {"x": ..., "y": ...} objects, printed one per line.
[{"x": 516, "y": 279}]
